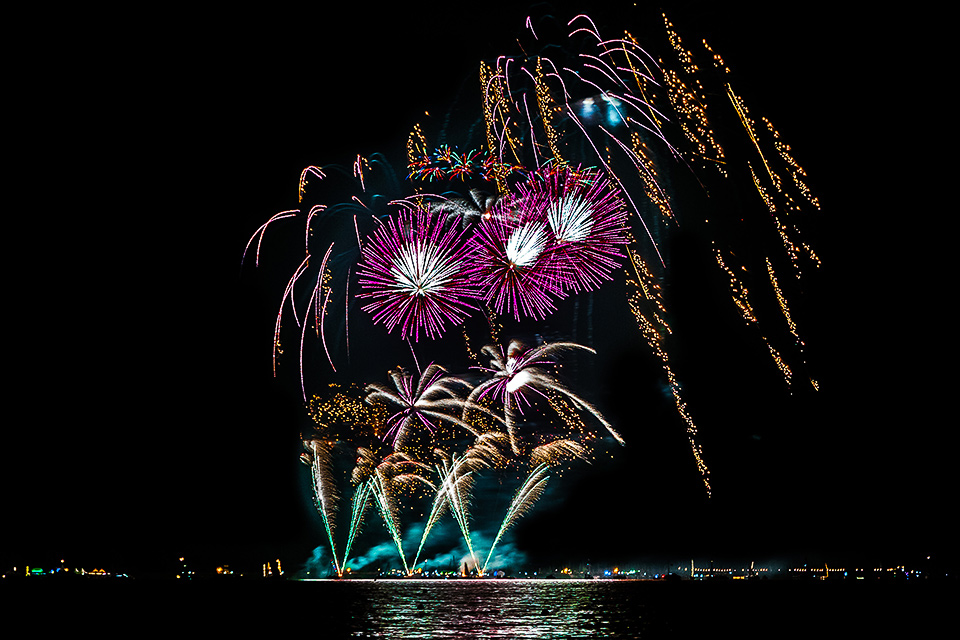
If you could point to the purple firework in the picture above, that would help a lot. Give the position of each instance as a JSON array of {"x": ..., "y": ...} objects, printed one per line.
[
  {"x": 587, "y": 223},
  {"x": 510, "y": 257},
  {"x": 412, "y": 269}
]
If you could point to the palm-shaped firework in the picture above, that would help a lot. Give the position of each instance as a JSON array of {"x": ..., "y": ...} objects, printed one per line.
[
  {"x": 423, "y": 402},
  {"x": 521, "y": 370},
  {"x": 412, "y": 268}
]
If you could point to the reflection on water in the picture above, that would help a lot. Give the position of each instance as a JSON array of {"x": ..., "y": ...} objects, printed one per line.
[
  {"x": 493, "y": 609},
  {"x": 396, "y": 609}
]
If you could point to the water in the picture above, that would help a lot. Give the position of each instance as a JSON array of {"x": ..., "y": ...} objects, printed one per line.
[
  {"x": 623, "y": 609},
  {"x": 473, "y": 609},
  {"x": 495, "y": 609}
]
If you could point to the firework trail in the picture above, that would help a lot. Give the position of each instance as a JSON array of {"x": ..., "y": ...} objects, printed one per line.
[
  {"x": 262, "y": 231},
  {"x": 522, "y": 502},
  {"x": 646, "y": 302},
  {"x": 386, "y": 505},
  {"x": 358, "y": 506},
  {"x": 783, "y": 199},
  {"x": 318, "y": 457},
  {"x": 363, "y": 471},
  {"x": 456, "y": 475}
]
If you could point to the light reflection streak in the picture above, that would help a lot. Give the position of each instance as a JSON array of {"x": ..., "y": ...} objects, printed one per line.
[{"x": 490, "y": 608}]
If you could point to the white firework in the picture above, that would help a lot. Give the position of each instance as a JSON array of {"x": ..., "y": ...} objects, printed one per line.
[
  {"x": 526, "y": 244},
  {"x": 571, "y": 218},
  {"x": 421, "y": 270}
]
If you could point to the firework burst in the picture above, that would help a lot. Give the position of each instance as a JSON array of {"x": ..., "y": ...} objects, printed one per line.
[
  {"x": 587, "y": 223},
  {"x": 510, "y": 257},
  {"x": 412, "y": 271},
  {"x": 395, "y": 471}
]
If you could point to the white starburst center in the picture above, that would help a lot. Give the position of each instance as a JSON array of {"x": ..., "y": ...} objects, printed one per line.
[
  {"x": 418, "y": 269},
  {"x": 526, "y": 244},
  {"x": 571, "y": 218}
]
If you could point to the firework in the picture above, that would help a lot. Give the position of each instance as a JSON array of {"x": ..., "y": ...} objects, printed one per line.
[
  {"x": 557, "y": 451},
  {"x": 454, "y": 483},
  {"x": 456, "y": 474},
  {"x": 577, "y": 172},
  {"x": 342, "y": 415},
  {"x": 587, "y": 220},
  {"x": 511, "y": 259},
  {"x": 412, "y": 270},
  {"x": 397, "y": 470},
  {"x": 422, "y": 403},
  {"x": 522, "y": 502},
  {"x": 467, "y": 210},
  {"x": 446, "y": 163},
  {"x": 361, "y": 495},
  {"x": 520, "y": 371},
  {"x": 318, "y": 458}
]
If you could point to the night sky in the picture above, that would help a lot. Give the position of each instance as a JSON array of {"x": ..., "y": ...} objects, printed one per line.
[{"x": 150, "y": 425}]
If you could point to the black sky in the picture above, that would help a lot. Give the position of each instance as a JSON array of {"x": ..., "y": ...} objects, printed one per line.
[{"x": 150, "y": 426}]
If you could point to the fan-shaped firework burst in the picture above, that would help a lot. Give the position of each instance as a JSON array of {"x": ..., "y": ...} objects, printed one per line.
[
  {"x": 455, "y": 478},
  {"x": 395, "y": 471},
  {"x": 412, "y": 269},
  {"x": 523, "y": 501},
  {"x": 587, "y": 220}
]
